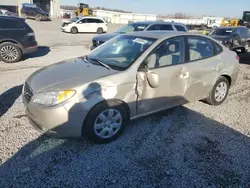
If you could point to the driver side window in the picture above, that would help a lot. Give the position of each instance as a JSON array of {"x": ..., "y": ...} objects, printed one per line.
[{"x": 170, "y": 52}]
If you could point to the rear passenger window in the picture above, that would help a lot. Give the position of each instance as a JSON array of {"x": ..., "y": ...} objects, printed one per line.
[
  {"x": 161, "y": 27},
  {"x": 89, "y": 20},
  {"x": 99, "y": 21},
  {"x": 218, "y": 48},
  {"x": 180, "y": 28},
  {"x": 10, "y": 24},
  {"x": 199, "y": 48}
]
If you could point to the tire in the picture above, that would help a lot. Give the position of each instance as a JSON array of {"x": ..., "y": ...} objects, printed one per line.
[
  {"x": 74, "y": 30},
  {"x": 24, "y": 16},
  {"x": 219, "y": 92},
  {"x": 10, "y": 52},
  {"x": 99, "y": 123},
  {"x": 38, "y": 18},
  {"x": 99, "y": 30}
]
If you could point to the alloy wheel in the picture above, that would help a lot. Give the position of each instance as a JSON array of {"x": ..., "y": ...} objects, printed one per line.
[{"x": 108, "y": 123}]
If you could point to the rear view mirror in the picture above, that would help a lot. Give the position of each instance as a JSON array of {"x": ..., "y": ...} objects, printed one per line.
[{"x": 153, "y": 79}]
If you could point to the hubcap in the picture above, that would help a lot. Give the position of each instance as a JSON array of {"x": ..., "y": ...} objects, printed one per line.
[
  {"x": 9, "y": 53},
  {"x": 220, "y": 91},
  {"x": 108, "y": 123}
]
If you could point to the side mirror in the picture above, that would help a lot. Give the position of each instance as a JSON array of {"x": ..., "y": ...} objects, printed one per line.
[
  {"x": 80, "y": 22},
  {"x": 153, "y": 79}
]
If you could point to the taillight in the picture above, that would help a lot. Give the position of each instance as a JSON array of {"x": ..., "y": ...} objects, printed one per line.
[{"x": 238, "y": 58}]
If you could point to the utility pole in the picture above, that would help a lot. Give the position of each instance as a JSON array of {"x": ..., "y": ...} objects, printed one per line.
[{"x": 19, "y": 7}]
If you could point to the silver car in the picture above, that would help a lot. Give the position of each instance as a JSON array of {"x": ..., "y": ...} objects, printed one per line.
[{"x": 130, "y": 76}]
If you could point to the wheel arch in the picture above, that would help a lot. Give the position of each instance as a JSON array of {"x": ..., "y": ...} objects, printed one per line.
[
  {"x": 228, "y": 78},
  {"x": 13, "y": 41},
  {"x": 118, "y": 101}
]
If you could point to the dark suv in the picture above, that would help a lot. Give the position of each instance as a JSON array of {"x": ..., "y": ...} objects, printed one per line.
[
  {"x": 34, "y": 13},
  {"x": 16, "y": 38},
  {"x": 233, "y": 37},
  {"x": 140, "y": 26}
]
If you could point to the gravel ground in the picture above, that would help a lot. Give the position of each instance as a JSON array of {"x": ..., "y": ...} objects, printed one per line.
[{"x": 195, "y": 145}]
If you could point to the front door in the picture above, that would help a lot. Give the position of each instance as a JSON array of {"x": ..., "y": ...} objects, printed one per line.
[
  {"x": 82, "y": 25},
  {"x": 167, "y": 63}
]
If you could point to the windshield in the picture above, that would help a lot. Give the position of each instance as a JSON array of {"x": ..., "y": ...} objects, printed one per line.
[
  {"x": 131, "y": 28},
  {"x": 75, "y": 19},
  {"x": 224, "y": 31},
  {"x": 121, "y": 52}
]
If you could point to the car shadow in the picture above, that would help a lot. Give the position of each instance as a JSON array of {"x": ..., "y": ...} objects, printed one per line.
[
  {"x": 40, "y": 52},
  {"x": 175, "y": 148},
  {"x": 244, "y": 58},
  {"x": 8, "y": 98}
]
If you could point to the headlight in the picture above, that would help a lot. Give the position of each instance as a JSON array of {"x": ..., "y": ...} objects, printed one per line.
[{"x": 53, "y": 98}]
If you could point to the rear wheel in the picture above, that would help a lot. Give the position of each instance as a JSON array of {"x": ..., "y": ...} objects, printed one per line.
[
  {"x": 24, "y": 16},
  {"x": 99, "y": 30},
  {"x": 219, "y": 92},
  {"x": 10, "y": 52},
  {"x": 105, "y": 122},
  {"x": 74, "y": 30}
]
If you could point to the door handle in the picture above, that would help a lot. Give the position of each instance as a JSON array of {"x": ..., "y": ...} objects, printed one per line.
[{"x": 184, "y": 75}]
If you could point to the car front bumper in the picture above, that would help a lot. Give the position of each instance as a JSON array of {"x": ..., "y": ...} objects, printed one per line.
[
  {"x": 56, "y": 121},
  {"x": 30, "y": 49},
  {"x": 65, "y": 29}
]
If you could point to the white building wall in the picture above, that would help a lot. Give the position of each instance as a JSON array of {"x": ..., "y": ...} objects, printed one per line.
[{"x": 124, "y": 18}]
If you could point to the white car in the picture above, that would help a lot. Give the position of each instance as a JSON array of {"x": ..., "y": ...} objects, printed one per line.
[{"x": 84, "y": 25}]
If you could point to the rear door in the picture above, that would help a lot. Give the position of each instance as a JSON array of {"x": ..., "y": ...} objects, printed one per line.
[
  {"x": 92, "y": 24},
  {"x": 12, "y": 29},
  {"x": 203, "y": 65}
]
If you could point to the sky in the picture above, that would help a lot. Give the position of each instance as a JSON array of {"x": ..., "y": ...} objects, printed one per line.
[{"x": 223, "y": 8}]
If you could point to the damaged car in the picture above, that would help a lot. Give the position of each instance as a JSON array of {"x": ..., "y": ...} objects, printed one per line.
[
  {"x": 235, "y": 38},
  {"x": 130, "y": 76}
]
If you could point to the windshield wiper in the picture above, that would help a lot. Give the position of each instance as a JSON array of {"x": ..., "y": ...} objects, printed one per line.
[{"x": 101, "y": 63}]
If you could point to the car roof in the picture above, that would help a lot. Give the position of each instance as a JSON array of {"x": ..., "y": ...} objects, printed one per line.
[
  {"x": 160, "y": 34},
  {"x": 155, "y": 22},
  {"x": 10, "y": 16},
  {"x": 232, "y": 27}
]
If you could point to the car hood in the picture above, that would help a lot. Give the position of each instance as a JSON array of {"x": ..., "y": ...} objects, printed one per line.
[
  {"x": 105, "y": 37},
  {"x": 66, "y": 75},
  {"x": 222, "y": 38}
]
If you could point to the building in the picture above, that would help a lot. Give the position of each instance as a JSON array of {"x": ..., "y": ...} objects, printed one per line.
[
  {"x": 123, "y": 18},
  {"x": 51, "y": 6}
]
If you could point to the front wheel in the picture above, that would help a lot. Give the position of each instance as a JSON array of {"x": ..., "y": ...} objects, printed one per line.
[
  {"x": 219, "y": 92},
  {"x": 105, "y": 122},
  {"x": 74, "y": 30},
  {"x": 38, "y": 18},
  {"x": 10, "y": 52}
]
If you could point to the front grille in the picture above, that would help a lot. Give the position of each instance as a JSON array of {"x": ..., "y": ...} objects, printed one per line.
[{"x": 28, "y": 93}]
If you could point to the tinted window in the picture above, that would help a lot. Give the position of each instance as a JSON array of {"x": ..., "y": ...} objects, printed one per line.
[
  {"x": 165, "y": 27},
  {"x": 218, "y": 49},
  {"x": 199, "y": 48},
  {"x": 10, "y": 24},
  {"x": 180, "y": 28},
  {"x": 224, "y": 31},
  {"x": 244, "y": 32},
  {"x": 89, "y": 20},
  {"x": 99, "y": 21},
  {"x": 132, "y": 27},
  {"x": 170, "y": 52}
]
